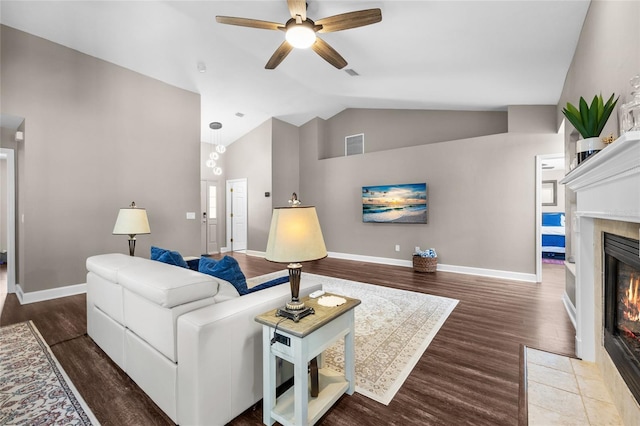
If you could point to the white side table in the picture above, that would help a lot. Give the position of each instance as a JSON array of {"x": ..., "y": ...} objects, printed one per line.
[{"x": 298, "y": 343}]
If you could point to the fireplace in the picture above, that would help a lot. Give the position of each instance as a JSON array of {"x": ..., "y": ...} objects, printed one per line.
[{"x": 622, "y": 307}]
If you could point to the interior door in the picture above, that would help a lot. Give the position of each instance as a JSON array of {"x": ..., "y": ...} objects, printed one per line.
[
  {"x": 212, "y": 217},
  {"x": 237, "y": 214},
  {"x": 209, "y": 219}
]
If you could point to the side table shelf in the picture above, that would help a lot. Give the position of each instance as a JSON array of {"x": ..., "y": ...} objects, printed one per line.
[
  {"x": 299, "y": 343},
  {"x": 332, "y": 386}
]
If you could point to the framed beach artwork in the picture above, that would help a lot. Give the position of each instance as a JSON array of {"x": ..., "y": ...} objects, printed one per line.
[{"x": 406, "y": 203}]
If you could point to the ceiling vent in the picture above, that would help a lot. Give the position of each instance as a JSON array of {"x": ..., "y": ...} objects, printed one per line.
[{"x": 354, "y": 144}]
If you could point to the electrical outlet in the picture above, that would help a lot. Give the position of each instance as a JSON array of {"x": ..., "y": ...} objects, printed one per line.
[
  {"x": 417, "y": 249},
  {"x": 282, "y": 339},
  {"x": 397, "y": 247}
]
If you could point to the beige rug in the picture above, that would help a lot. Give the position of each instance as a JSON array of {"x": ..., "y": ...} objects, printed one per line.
[
  {"x": 393, "y": 329},
  {"x": 34, "y": 389}
]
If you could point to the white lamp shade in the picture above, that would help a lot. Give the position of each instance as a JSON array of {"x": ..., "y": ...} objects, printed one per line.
[
  {"x": 295, "y": 236},
  {"x": 132, "y": 221}
]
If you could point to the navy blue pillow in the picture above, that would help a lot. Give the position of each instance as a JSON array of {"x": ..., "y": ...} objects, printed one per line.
[
  {"x": 273, "y": 282},
  {"x": 226, "y": 269},
  {"x": 193, "y": 264},
  {"x": 168, "y": 256}
]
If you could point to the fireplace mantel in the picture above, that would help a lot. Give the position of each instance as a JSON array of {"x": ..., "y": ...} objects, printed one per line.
[
  {"x": 608, "y": 183},
  {"x": 615, "y": 161}
]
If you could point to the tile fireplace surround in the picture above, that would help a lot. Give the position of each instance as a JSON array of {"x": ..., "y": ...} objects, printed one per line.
[{"x": 607, "y": 187}]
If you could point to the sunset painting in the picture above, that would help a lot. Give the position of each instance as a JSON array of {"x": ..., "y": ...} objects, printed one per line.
[{"x": 405, "y": 203}]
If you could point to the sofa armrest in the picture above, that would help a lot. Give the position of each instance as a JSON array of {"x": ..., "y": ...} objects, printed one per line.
[{"x": 220, "y": 355}]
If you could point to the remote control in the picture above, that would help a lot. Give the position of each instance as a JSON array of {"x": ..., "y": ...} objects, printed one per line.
[{"x": 316, "y": 293}]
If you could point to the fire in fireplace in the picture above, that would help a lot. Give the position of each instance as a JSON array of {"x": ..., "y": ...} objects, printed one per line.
[{"x": 622, "y": 307}]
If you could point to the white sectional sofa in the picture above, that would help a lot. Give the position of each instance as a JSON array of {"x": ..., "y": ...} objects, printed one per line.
[{"x": 187, "y": 339}]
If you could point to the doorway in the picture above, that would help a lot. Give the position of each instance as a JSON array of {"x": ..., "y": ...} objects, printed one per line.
[
  {"x": 236, "y": 214},
  {"x": 7, "y": 216},
  {"x": 550, "y": 216},
  {"x": 209, "y": 218}
]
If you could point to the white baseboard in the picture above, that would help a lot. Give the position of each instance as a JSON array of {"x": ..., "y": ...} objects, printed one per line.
[
  {"x": 571, "y": 310},
  {"x": 255, "y": 253},
  {"x": 481, "y": 272},
  {"x": 490, "y": 273},
  {"x": 54, "y": 293}
]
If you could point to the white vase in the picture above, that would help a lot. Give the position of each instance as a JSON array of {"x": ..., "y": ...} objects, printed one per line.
[{"x": 588, "y": 147}]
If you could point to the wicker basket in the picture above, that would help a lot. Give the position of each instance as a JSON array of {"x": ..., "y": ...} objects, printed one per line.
[{"x": 425, "y": 264}]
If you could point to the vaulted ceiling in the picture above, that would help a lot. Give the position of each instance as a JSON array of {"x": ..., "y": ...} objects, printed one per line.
[{"x": 461, "y": 55}]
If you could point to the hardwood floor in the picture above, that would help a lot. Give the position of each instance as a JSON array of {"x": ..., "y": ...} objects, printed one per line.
[{"x": 468, "y": 374}]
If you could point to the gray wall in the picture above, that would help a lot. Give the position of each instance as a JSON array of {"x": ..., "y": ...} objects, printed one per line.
[
  {"x": 481, "y": 191},
  {"x": 481, "y": 198},
  {"x": 99, "y": 136},
  {"x": 606, "y": 57},
  {"x": 286, "y": 167},
  {"x": 388, "y": 129},
  {"x": 250, "y": 157},
  {"x": 532, "y": 119}
]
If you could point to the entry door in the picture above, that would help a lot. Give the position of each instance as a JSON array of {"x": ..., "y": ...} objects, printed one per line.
[
  {"x": 209, "y": 228},
  {"x": 237, "y": 214}
]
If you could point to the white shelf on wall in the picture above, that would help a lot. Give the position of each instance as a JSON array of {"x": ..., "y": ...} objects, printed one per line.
[{"x": 571, "y": 267}]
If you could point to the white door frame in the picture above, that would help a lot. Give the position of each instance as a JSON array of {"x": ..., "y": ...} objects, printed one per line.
[
  {"x": 11, "y": 219},
  {"x": 229, "y": 210},
  {"x": 539, "y": 160}
]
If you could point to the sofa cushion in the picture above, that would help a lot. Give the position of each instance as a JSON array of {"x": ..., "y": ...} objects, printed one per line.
[
  {"x": 109, "y": 265},
  {"x": 168, "y": 256},
  {"x": 226, "y": 269},
  {"x": 167, "y": 285}
]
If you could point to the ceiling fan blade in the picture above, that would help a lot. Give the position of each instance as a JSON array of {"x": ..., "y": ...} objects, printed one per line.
[
  {"x": 278, "y": 56},
  {"x": 328, "y": 53},
  {"x": 246, "y": 22},
  {"x": 349, "y": 20},
  {"x": 298, "y": 7}
]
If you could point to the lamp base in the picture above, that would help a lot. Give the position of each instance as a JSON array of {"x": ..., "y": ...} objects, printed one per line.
[
  {"x": 295, "y": 314},
  {"x": 294, "y": 305}
]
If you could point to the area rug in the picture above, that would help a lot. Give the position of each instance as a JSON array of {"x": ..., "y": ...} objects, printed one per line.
[
  {"x": 393, "y": 329},
  {"x": 34, "y": 389}
]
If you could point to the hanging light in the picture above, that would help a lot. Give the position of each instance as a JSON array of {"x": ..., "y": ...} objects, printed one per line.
[{"x": 220, "y": 149}]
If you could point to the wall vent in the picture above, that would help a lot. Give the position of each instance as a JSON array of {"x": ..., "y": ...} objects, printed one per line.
[{"x": 354, "y": 144}]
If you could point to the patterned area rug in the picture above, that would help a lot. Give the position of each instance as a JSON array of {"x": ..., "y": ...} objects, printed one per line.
[
  {"x": 393, "y": 329},
  {"x": 34, "y": 389}
]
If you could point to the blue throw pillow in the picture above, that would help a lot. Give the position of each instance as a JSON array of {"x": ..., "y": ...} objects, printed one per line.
[
  {"x": 168, "y": 256},
  {"x": 226, "y": 269}
]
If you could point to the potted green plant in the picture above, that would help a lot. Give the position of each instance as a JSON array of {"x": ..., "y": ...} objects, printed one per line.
[{"x": 589, "y": 120}]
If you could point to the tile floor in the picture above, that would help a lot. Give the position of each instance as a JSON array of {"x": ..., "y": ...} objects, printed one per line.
[{"x": 566, "y": 391}]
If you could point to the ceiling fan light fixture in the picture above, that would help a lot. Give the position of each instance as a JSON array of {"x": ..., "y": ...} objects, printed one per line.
[{"x": 300, "y": 36}]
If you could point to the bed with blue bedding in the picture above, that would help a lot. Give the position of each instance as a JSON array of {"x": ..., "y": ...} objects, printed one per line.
[{"x": 553, "y": 236}]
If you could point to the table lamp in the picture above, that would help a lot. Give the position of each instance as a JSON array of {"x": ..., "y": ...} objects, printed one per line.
[
  {"x": 132, "y": 221},
  {"x": 295, "y": 236}
]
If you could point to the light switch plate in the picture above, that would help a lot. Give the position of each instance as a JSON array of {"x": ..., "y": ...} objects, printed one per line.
[{"x": 191, "y": 215}]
